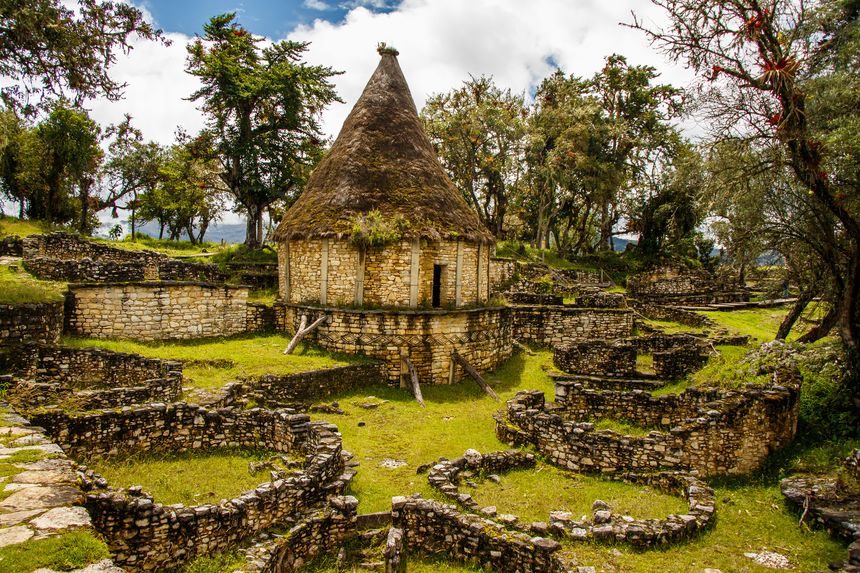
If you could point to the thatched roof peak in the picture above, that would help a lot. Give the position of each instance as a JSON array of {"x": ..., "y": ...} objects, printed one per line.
[{"x": 382, "y": 164}]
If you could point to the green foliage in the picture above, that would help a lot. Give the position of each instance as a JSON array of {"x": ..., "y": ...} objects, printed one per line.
[
  {"x": 18, "y": 287},
  {"x": 479, "y": 133},
  {"x": 25, "y": 227},
  {"x": 48, "y": 48},
  {"x": 373, "y": 229},
  {"x": 72, "y": 550},
  {"x": 191, "y": 478},
  {"x": 263, "y": 108},
  {"x": 220, "y": 563},
  {"x": 166, "y": 246}
]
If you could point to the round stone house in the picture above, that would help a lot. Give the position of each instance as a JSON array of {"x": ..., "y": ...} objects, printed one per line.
[{"x": 388, "y": 247}]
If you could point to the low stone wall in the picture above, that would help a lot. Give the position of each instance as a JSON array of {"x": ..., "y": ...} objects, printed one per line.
[
  {"x": 716, "y": 432},
  {"x": 600, "y": 299},
  {"x": 84, "y": 368},
  {"x": 156, "y": 311},
  {"x": 555, "y": 326},
  {"x": 33, "y": 322},
  {"x": 68, "y": 257},
  {"x": 674, "y": 356},
  {"x": 260, "y": 318},
  {"x": 314, "y": 385},
  {"x": 319, "y": 533},
  {"x": 444, "y": 475},
  {"x": 86, "y": 378},
  {"x": 674, "y": 314},
  {"x": 684, "y": 286},
  {"x": 436, "y": 528},
  {"x": 11, "y": 246},
  {"x": 597, "y": 358},
  {"x": 144, "y": 535},
  {"x": 532, "y": 298},
  {"x": 482, "y": 336}
]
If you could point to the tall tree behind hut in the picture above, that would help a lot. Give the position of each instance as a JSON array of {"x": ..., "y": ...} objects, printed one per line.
[
  {"x": 263, "y": 107},
  {"x": 479, "y": 131}
]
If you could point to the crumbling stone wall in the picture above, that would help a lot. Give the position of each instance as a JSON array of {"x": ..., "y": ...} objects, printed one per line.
[
  {"x": 729, "y": 433},
  {"x": 144, "y": 535},
  {"x": 260, "y": 318},
  {"x": 326, "y": 271},
  {"x": 86, "y": 378},
  {"x": 555, "y": 326},
  {"x": 314, "y": 385},
  {"x": 681, "y": 286},
  {"x": 674, "y": 356},
  {"x": 319, "y": 533},
  {"x": 433, "y": 527},
  {"x": 482, "y": 336},
  {"x": 673, "y": 314},
  {"x": 11, "y": 246},
  {"x": 31, "y": 322},
  {"x": 156, "y": 310},
  {"x": 597, "y": 358},
  {"x": 68, "y": 257}
]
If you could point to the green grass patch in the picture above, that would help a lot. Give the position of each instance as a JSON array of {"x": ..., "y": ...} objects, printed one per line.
[
  {"x": 524, "y": 493},
  {"x": 457, "y": 417},
  {"x": 71, "y": 550},
  {"x": 25, "y": 227},
  {"x": 17, "y": 286},
  {"x": 645, "y": 363},
  {"x": 218, "y": 361},
  {"x": 762, "y": 324},
  {"x": 623, "y": 427},
  {"x": 723, "y": 370},
  {"x": 190, "y": 478},
  {"x": 172, "y": 248},
  {"x": 219, "y": 563},
  {"x": 671, "y": 327}
]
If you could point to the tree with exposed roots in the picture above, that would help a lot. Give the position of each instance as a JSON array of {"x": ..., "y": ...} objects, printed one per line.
[{"x": 785, "y": 73}]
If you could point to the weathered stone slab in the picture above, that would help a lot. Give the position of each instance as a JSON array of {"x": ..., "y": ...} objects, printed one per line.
[
  {"x": 13, "y": 535},
  {"x": 62, "y": 518},
  {"x": 42, "y": 496}
]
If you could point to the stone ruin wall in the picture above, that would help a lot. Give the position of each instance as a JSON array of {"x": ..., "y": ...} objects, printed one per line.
[
  {"x": 481, "y": 336},
  {"x": 682, "y": 286},
  {"x": 674, "y": 356},
  {"x": 86, "y": 378},
  {"x": 156, "y": 311},
  {"x": 730, "y": 434},
  {"x": 67, "y": 257},
  {"x": 437, "y": 528},
  {"x": 387, "y": 276},
  {"x": 145, "y": 535},
  {"x": 314, "y": 385},
  {"x": 31, "y": 322},
  {"x": 557, "y": 326}
]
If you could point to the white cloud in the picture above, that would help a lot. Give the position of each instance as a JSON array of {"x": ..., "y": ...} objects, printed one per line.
[
  {"x": 316, "y": 5},
  {"x": 441, "y": 43},
  {"x": 157, "y": 91}
]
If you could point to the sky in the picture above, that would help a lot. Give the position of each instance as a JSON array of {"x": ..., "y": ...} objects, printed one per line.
[{"x": 441, "y": 43}]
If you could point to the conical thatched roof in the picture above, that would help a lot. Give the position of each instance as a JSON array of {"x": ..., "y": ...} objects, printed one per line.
[{"x": 382, "y": 161}]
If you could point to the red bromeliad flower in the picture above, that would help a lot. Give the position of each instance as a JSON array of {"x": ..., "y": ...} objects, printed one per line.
[{"x": 775, "y": 119}]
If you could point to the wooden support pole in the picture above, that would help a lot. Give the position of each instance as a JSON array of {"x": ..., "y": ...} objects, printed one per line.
[
  {"x": 476, "y": 376},
  {"x": 413, "y": 375},
  {"x": 302, "y": 331}
]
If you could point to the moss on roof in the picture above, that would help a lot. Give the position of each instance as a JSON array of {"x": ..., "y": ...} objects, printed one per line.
[{"x": 382, "y": 161}]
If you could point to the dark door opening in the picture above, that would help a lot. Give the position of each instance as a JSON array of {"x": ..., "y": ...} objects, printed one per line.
[{"x": 437, "y": 286}]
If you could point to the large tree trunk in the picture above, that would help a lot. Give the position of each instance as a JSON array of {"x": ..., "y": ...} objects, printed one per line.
[
  {"x": 254, "y": 229},
  {"x": 791, "y": 318},
  {"x": 821, "y": 330}
]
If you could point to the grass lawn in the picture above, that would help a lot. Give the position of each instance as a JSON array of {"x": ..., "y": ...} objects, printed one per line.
[
  {"x": 751, "y": 513},
  {"x": 25, "y": 227},
  {"x": 762, "y": 323},
  {"x": 524, "y": 494},
  {"x": 18, "y": 287},
  {"x": 190, "y": 478},
  {"x": 171, "y": 248},
  {"x": 65, "y": 552},
  {"x": 213, "y": 362}
]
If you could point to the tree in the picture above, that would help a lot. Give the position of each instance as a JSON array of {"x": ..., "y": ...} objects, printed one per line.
[
  {"x": 133, "y": 167},
  {"x": 263, "y": 108},
  {"x": 67, "y": 147},
  {"x": 760, "y": 62},
  {"x": 48, "y": 50},
  {"x": 479, "y": 133},
  {"x": 189, "y": 194},
  {"x": 12, "y": 127}
]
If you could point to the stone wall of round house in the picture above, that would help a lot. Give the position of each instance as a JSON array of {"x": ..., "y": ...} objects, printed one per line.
[{"x": 336, "y": 272}]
